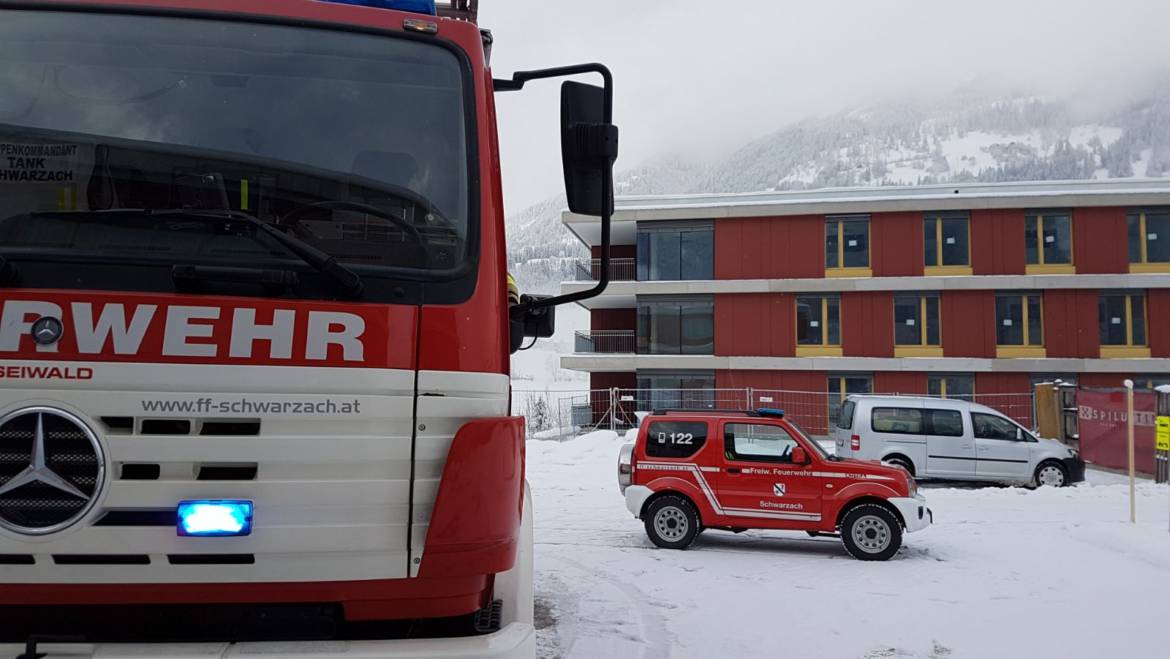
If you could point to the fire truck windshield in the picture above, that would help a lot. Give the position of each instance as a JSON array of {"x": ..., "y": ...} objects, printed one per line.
[{"x": 356, "y": 144}]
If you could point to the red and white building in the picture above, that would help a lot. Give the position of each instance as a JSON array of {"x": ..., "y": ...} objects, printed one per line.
[{"x": 963, "y": 289}]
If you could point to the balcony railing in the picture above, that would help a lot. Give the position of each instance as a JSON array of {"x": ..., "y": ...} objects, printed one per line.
[
  {"x": 605, "y": 341},
  {"x": 619, "y": 269}
]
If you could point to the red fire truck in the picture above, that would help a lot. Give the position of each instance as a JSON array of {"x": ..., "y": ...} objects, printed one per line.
[{"x": 255, "y": 329}]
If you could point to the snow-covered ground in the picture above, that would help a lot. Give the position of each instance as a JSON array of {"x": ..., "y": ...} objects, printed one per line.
[{"x": 1004, "y": 572}]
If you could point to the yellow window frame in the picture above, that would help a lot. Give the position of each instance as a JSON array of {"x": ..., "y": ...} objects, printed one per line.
[
  {"x": 1027, "y": 349},
  {"x": 1130, "y": 350},
  {"x": 1145, "y": 267},
  {"x": 1043, "y": 268},
  {"x": 922, "y": 349},
  {"x": 841, "y": 270},
  {"x": 824, "y": 348},
  {"x": 939, "y": 269},
  {"x": 942, "y": 385}
]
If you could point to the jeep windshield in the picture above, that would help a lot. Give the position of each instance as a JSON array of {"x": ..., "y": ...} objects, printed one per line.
[{"x": 354, "y": 144}]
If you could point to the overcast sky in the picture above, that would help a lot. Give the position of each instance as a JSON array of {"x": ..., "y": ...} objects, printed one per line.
[{"x": 700, "y": 78}]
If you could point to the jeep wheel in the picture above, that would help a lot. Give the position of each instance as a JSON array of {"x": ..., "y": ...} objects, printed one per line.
[
  {"x": 671, "y": 522},
  {"x": 1051, "y": 474},
  {"x": 871, "y": 532}
]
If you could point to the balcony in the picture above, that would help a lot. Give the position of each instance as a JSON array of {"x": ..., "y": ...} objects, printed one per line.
[
  {"x": 605, "y": 342},
  {"x": 619, "y": 270}
]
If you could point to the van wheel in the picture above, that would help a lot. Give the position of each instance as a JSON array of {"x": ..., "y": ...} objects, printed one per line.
[
  {"x": 671, "y": 522},
  {"x": 901, "y": 462},
  {"x": 1051, "y": 474},
  {"x": 871, "y": 532}
]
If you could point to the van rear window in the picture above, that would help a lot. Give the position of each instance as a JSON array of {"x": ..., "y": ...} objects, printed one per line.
[
  {"x": 675, "y": 439},
  {"x": 845, "y": 419}
]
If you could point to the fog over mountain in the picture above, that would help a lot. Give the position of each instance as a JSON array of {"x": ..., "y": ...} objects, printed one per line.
[{"x": 968, "y": 136}]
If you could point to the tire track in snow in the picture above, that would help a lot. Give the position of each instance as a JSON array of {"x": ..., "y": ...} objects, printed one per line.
[{"x": 605, "y": 630}]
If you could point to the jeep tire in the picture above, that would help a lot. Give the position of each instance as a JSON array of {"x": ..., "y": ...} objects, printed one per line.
[
  {"x": 871, "y": 532},
  {"x": 671, "y": 522}
]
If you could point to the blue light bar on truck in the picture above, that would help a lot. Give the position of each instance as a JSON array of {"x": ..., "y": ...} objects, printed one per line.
[
  {"x": 215, "y": 518},
  {"x": 769, "y": 411},
  {"x": 416, "y": 6}
]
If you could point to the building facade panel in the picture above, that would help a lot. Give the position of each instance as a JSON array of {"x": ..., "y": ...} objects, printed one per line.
[
  {"x": 968, "y": 323},
  {"x": 755, "y": 324},
  {"x": 1098, "y": 244},
  {"x": 900, "y": 383},
  {"x": 1070, "y": 321},
  {"x": 1158, "y": 300},
  {"x": 997, "y": 245},
  {"x": 616, "y": 251},
  {"x": 867, "y": 324},
  {"x": 802, "y": 381},
  {"x": 897, "y": 242},
  {"x": 770, "y": 247},
  {"x": 614, "y": 319}
]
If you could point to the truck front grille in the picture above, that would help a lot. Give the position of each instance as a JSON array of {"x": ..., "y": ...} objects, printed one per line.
[{"x": 50, "y": 470}]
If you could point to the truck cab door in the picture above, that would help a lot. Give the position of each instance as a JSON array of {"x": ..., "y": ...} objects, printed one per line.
[{"x": 758, "y": 481}]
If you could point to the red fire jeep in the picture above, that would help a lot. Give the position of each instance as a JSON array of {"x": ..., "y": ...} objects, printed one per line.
[{"x": 690, "y": 471}]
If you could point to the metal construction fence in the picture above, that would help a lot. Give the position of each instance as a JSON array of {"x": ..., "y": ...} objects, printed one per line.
[{"x": 553, "y": 414}]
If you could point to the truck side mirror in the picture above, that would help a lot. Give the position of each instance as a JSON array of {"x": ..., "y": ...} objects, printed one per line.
[
  {"x": 799, "y": 456},
  {"x": 589, "y": 147}
]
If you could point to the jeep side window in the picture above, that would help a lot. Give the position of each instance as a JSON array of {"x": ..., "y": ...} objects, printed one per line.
[
  {"x": 944, "y": 423},
  {"x": 757, "y": 443},
  {"x": 897, "y": 420},
  {"x": 989, "y": 426},
  {"x": 675, "y": 439}
]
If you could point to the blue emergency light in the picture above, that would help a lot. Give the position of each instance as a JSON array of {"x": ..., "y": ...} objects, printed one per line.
[
  {"x": 215, "y": 518},
  {"x": 416, "y": 6},
  {"x": 770, "y": 411}
]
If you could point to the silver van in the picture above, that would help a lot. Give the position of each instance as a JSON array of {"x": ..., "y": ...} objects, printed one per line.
[{"x": 953, "y": 440}]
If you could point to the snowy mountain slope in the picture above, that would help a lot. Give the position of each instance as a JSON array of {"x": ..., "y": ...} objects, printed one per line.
[{"x": 965, "y": 137}]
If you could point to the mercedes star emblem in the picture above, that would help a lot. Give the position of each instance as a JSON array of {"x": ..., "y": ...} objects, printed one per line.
[
  {"x": 47, "y": 330},
  {"x": 59, "y": 470},
  {"x": 38, "y": 471}
]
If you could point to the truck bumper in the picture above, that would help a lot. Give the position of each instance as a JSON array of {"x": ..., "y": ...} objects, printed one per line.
[
  {"x": 514, "y": 641},
  {"x": 915, "y": 513}
]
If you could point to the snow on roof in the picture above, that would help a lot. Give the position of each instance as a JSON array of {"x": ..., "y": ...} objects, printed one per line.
[{"x": 829, "y": 201}]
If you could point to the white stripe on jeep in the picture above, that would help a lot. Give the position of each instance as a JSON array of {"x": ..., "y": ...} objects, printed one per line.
[{"x": 697, "y": 472}]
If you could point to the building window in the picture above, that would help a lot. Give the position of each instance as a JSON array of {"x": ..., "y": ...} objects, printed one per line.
[
  {"x": 672, "y": 251},
  {"x": 1019, "y": 325},
  {"x": 1149, "y": 241},
  {"x": 823, "y": 338},
  {"x": 947, "y": 244},
  {"x": 1048, "y": 243},
  {"x": 676, "y": 390},
  {"x": 676, "y": 326},
  {"x": 916, "y": 326},
  {"x": 1122, "y": 317},
  {"x": 843, "y": 384},
  {"x": 951, "y": 386},
  {"x": 847, "y": 246}
]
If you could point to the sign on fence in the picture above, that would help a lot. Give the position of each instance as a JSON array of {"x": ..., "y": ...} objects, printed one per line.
[
  {"x": 1162, "y": 433},
  {"x": 1102, "y": 422}
]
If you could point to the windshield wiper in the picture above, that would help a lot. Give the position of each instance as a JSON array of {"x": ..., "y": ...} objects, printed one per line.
[{"x": 347, "y": 280}]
